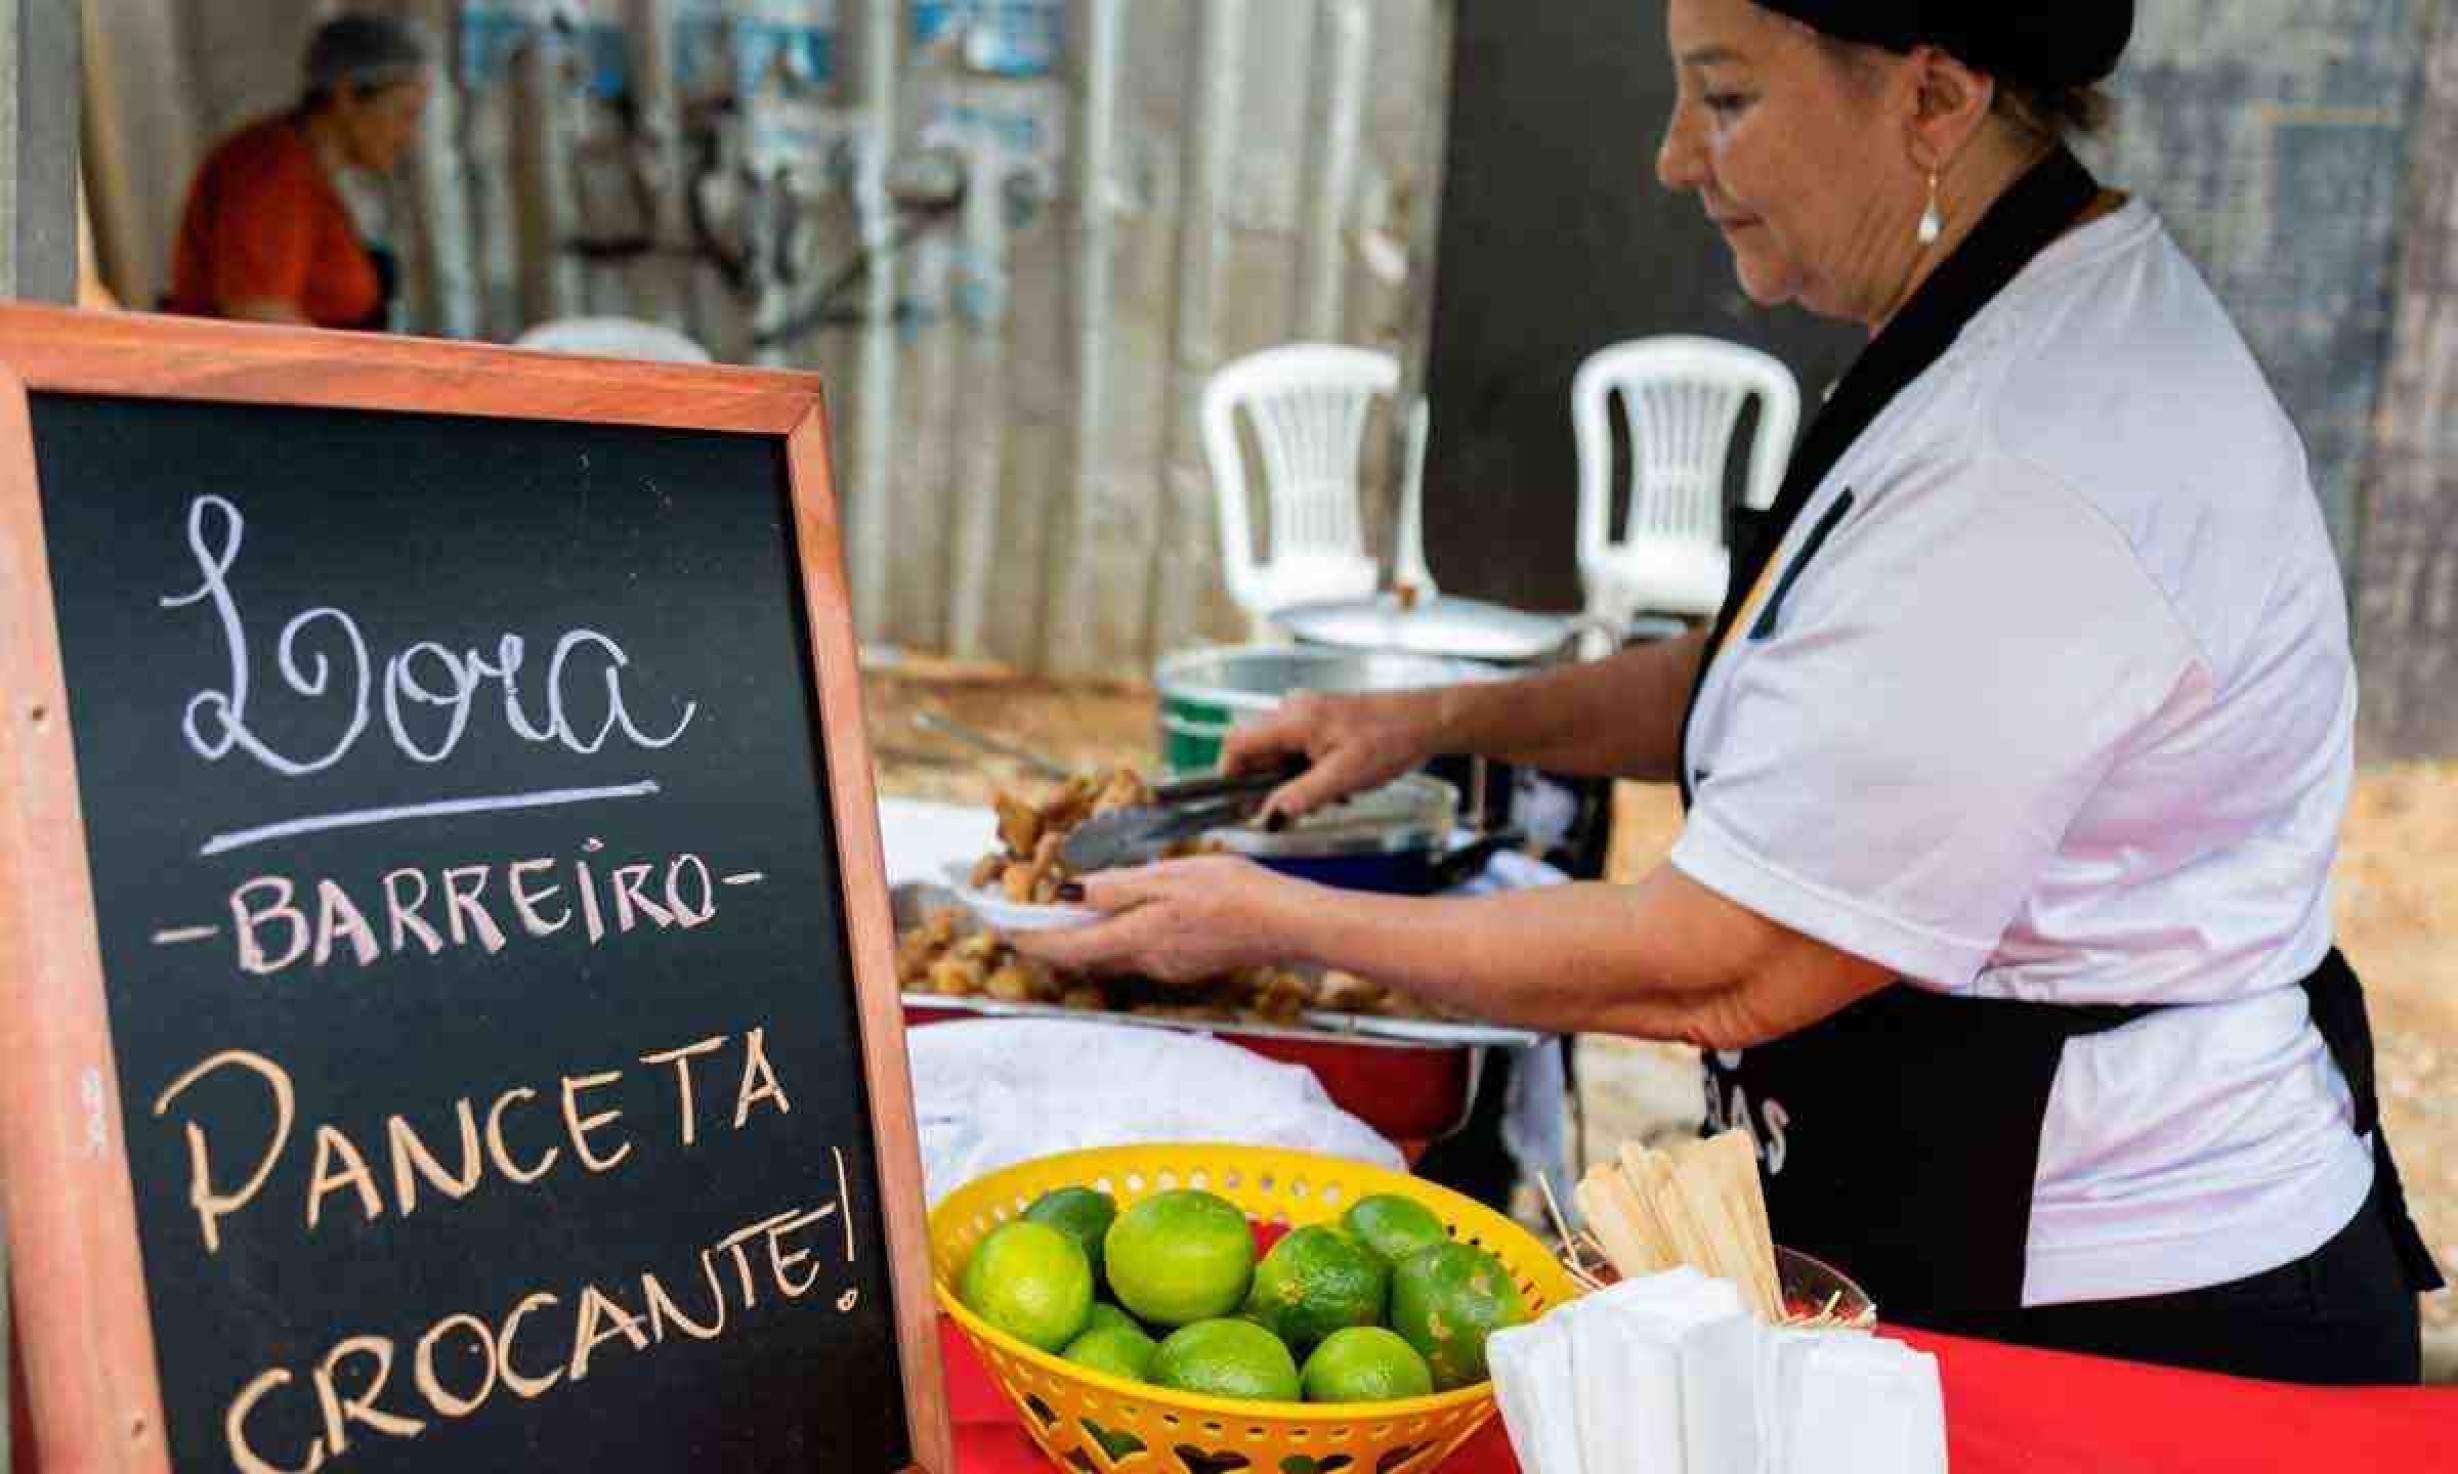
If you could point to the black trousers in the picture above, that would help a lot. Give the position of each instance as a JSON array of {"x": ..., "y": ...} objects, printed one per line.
[{"x": 2340, "y": 1316}]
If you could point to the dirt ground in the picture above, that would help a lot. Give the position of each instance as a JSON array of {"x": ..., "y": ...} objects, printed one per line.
[{"x": 2396, "y": 900}]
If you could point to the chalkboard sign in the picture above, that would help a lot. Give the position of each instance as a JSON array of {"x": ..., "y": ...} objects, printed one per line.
[{"x": 443, "y": 943}]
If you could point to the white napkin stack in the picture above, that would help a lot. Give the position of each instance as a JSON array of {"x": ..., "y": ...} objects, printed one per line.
[{"x": 1668, "y": 1374}]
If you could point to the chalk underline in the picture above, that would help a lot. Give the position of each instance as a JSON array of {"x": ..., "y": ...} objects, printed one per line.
[{"x": 481, "y": 804}]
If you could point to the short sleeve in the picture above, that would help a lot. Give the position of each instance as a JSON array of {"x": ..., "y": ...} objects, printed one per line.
[
  {"x": 1891, "y": 759},
  {"x": 263, "y": 233}
]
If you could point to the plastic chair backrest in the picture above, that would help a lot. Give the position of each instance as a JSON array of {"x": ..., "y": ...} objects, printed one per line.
[
  {"x": 1681, "y": 398},
  {"x": 1308, "y": 404},
  {"x": 612, "y": 337}
]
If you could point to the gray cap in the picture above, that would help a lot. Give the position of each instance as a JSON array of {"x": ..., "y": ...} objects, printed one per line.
[{"x": 363, "y": 51}]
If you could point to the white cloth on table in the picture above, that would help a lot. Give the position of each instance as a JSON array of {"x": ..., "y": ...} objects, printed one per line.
[
  {"x": 989, "y": 1093},
  {"x": 923, "y": 839}
]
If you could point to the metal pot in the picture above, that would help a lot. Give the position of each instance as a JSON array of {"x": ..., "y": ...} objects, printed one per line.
[
  {"x": 1461, "y": 629},
  {"x": 1204, "y": 693},
  {"x": 1442, "y": 627},
  {"x": 1569, "y": 818}
]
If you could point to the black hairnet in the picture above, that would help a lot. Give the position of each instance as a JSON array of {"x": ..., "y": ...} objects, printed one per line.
[{"x": 2044, "y": 43}]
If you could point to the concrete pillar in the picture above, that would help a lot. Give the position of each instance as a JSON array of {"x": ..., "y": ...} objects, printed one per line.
[
  {"x": 38, "y": 245},
  {"x": 1186, "y": 570},
  {"x": 38, "y": 181}
]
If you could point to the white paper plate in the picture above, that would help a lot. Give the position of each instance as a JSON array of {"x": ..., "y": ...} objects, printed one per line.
[{"x": 993, "y": 908}]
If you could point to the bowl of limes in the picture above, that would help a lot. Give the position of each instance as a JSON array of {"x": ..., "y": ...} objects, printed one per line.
[{"x": 1188, "y": 1308}]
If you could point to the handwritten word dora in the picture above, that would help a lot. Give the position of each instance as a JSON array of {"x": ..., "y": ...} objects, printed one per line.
[{"x": 427, "y": 690}]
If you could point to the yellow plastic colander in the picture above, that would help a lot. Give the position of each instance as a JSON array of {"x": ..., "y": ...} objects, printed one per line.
[{"x": 1089, "y": 1421}]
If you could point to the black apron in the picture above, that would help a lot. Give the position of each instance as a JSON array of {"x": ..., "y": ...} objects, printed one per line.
[{"x": 1900, "y": 1138}]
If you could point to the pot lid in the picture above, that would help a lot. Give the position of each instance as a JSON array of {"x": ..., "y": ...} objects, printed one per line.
[
  {"x": 1248, "y": 678},
  {"x": 1464, "y": 629}
]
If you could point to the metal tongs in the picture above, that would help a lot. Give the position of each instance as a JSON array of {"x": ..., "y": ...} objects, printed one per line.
[{"x": 1179, "y": 811}]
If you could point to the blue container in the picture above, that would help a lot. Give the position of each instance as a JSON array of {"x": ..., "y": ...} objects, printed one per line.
[
  {"x": 1417, "y": 870},
  {"x": 490, "y": 36},
  {"x": 737, "y": 51},
  {"x": 1010, "y": 38}
]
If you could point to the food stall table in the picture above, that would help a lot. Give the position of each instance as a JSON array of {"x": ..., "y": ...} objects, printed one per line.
[{"x": 2009, "y": 1410}]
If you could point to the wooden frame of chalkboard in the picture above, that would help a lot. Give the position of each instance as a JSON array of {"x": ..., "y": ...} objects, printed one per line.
[{"x": 67, "y": 1194}]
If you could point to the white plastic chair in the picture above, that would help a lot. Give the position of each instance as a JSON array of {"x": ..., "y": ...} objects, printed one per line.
[
  {"x": 612, "y": 337},
  {"x": 1681, "y": 398},
  {"x": 1308, "y": 404}
]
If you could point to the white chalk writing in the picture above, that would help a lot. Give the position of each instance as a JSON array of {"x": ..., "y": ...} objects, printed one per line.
[{"x": 427, "y": 691}]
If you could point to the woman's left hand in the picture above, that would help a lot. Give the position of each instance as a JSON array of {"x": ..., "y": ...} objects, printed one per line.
[{"x": 1180, "y": 921}]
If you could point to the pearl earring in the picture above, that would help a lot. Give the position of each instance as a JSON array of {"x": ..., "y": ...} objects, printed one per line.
[{"x": 1933, "y": 219}]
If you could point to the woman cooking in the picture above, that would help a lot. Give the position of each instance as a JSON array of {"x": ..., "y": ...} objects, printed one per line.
[{"x": 2015, "y": 761}]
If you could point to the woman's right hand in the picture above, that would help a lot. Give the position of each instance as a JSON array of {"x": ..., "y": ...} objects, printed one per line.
[{"x": 1351, "y": 743}]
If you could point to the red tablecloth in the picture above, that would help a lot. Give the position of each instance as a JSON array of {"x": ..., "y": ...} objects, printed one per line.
[{"x": 2009, "y": 1410}]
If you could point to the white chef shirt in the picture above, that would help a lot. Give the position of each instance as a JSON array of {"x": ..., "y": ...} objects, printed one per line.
[{"x": 2062, "y": 709}]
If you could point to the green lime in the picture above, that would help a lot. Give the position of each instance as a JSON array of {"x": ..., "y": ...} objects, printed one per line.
[
  {"x": 1121, "y": 1351},
  {"x": 1106, "y": 1316},
  {"x": 1445, "y": 1301},
  {"x": 1227, "y": 1358},
  {"x": 1179, "y": 1257},
  {"x": 1365, "y": 1364},
  {"x": 1080, "y": 1213},
  {"x": 1031, "y": 1281},
  {"x": 1393, "y": 1226},
  {"x": 1317, "y": 1281}
]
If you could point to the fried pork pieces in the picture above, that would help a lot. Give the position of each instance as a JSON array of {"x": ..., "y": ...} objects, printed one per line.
[
  {"x": 1026, "y": 868},
  {"x": 939, "y": 957}
]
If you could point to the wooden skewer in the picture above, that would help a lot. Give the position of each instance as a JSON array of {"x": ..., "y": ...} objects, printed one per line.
[
  {"x": 1699, "y": 1204},
  {"x": 1561, "y": 1225},
  {"x": 1620, "y": 1218}
]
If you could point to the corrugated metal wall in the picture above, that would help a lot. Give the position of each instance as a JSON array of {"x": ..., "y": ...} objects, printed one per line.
[
  {"x": 2408, "y": 613},
  {"x": 1057, "y": 256},
  {"x": 2273, "y": 138},
  {"x": 1014, "y": 384}
]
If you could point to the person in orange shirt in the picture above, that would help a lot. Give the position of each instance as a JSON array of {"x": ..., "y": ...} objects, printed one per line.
[{"x": 266, "y": 234}]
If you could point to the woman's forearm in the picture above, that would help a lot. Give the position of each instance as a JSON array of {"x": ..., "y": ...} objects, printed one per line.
[
  {"x": 1664, "y": 959},
  {"x": 1565, "y": 960},
  {"x": 1616, "y": 718}
]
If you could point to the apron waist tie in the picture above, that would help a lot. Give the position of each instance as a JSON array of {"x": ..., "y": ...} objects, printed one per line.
[
  {"x": 1900, "y": 1138},
  {"x": 2337, "y": 1002}
]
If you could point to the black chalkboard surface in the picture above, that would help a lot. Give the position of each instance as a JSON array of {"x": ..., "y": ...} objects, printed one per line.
[{"x": 476, "y": 935}]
